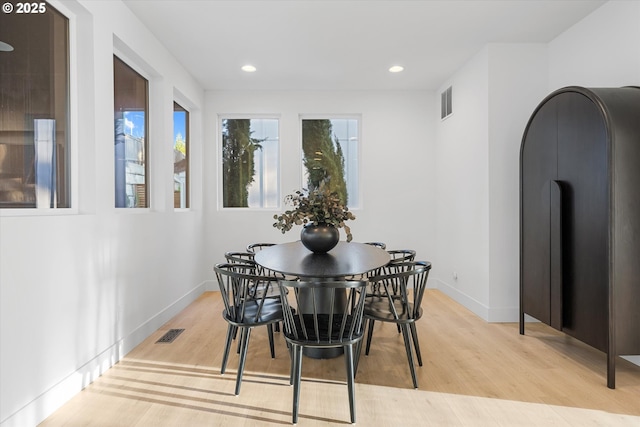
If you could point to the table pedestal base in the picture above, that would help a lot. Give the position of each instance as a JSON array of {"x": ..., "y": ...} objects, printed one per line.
[
  {"x": 323, "y": 305},
  {"x": 323, "y": 353}
]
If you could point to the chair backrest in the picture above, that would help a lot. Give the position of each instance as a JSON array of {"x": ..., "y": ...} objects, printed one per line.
[
  {"x": 255, "y": 247},
  {"x": 377, "y": 244},
  {"x": 248, "y": 258},
  {"x": 402, "y": 287},
  {"x": 402, "y": 255},
  {"x": 237, "y": 257},
  {"x": 397, "y": 256},
  {"x": 323, "y": 314},
  {"x": 247, "y": 297}
]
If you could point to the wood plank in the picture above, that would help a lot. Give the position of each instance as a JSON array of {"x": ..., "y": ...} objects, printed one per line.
[{"x": 474, "y": 373}]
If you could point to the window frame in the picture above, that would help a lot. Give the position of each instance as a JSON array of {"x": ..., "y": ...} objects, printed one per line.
[
  {"x": 336, "y": 116},
  {"x": 187, "y": 138},
  {"x": 132, "y": 64},
  {"x": 72, "y": 123},
  {"x": 220, "y": 186}
]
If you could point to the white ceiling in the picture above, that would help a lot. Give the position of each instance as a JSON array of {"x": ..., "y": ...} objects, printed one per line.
[{"x": 344, "y": 44}]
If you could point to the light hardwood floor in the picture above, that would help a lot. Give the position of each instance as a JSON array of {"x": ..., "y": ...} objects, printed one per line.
[{"x": 474, "y": 374}]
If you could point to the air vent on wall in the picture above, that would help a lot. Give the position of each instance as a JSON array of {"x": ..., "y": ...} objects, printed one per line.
[{"x": 445, "y": 103}]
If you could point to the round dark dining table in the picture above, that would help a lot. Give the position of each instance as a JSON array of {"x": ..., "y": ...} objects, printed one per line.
[{"x": 346, "y": 259}]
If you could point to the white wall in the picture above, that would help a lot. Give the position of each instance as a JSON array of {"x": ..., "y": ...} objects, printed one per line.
[
  {"x": 602, "y": 50},
  {"x": 462, "y": 194},
  {"x": 517, "y": 83},
  {"x": 79, "y": 289},
  {"x": 494, "y": 94},
  {"x": 397, "y": 166},
  {"x": 477, "y": 164}
]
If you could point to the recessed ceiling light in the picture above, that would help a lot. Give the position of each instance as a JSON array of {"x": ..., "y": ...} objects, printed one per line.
[
  {"x": 396, "y": 69},
  {"x": 249, "y": 68}
]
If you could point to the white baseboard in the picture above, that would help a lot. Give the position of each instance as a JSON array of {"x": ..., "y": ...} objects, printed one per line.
[
  {"x": 504, "y": 315},
  {"x": 476, "y": 307},
  {"x": 633, "y": 359},
  {"x": 493, "y": 315},
  {"x": 52, "y": 399}
]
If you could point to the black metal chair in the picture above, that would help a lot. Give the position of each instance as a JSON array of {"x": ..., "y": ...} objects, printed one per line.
[
  {"x": 380, "y": 245},
  {"x": 402, "y": 255},
  {"x": 248, "y": 257},
  {"x": 247, "y": 304},
  {"x": 239, "y": 257},
  {"x": 328, "y": 315},
  {"x": 395, "y": 296},
  {"x": 255, "y": 247},
  {"x": 397, "y": 256}
]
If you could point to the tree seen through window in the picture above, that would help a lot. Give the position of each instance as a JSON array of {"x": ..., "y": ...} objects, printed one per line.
[
  {"x": 330, "y": 153},
  {"x": 249, "y": 163}
]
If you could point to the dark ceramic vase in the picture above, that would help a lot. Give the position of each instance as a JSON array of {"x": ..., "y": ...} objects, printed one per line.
[{"x": 319, "y": 238}]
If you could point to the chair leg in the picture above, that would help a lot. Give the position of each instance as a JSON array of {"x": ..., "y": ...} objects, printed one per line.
[
  {"x": 357, "y": 358},
  {"x": 416, "y": 344},
  {"x": 348, "y": 358},
  {"x": 369, "y": 335},
  {"x": 227, "y": 346},
  {"x": 291, "y": 364},
  {"x": 297, "y": 373},
  {"x": 407, "y": 345},
  {"x": 271, "y": 346},
  {"x": 244, "y": 339}
]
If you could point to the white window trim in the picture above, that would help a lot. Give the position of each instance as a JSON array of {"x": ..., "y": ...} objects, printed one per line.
[
  {"x": 73, "y": 126},
  {"x": 220, "y": 190},
  {"x": 155, "y": 102},
  {"x": 188, "y": 106},
  {"x": 195, "y": 146},
  {"x": 354, "y": 116}
]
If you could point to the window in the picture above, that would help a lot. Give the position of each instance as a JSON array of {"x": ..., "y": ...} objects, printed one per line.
[
  {"x": 180, "y": 157},
  {"x": 250, "y": 163},
  {"x": 34, "y": 113},
  {"x": 131, "y": 106},
  {"x": 330, "y": 152}
]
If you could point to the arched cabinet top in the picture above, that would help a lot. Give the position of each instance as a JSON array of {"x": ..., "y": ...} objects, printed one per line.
[{"x": 619, "y": 108}]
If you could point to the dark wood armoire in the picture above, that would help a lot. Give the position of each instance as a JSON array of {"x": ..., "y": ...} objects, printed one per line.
[{"x": 580, "y": 218}]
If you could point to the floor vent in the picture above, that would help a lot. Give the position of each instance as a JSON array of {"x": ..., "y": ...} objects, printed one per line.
[{"x": 171, "y": 335}]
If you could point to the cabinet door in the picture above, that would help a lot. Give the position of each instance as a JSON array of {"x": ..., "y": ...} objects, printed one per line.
[
  {"x": 583, "y": 171},
  {"x": 538, "y": 170}
]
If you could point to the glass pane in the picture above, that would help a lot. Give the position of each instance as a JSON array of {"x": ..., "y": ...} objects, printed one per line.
[
  {"x": 330, "y": 150},
  {"x": 250, "y": 163},
  {"x": 130, "y": 113},
  {"x": 180, "y": 157},
  {"x": 34, "y": 110}
]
